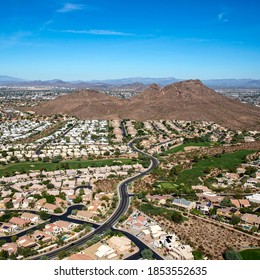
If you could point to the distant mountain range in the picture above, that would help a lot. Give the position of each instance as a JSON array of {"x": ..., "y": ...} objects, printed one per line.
[
  {"x": 132, "y": 83},
  {"x": 232, "y": 83},
  {"x": 186, "y": 100},
  {"x": 8, "y": 79}
]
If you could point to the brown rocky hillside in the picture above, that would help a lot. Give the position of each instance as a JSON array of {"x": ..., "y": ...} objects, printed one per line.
[{"x": 188, "y": 100}]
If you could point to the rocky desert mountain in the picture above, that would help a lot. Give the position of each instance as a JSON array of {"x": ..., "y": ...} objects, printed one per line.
[{"x": 187, "y": 100}]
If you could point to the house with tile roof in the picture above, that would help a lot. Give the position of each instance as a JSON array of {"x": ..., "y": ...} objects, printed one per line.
[
  {"x": 50, "y": 208},
  {"x": 26, "y": 241},
  {"x": 120, "y": 244},
  {"x": 80, "y": 257},
  {"x": 33, "y": 218},
  {"x": 11, "y": 248},
  {"x": 19, "y": 222},
  {"x": 251, "y": 219}
]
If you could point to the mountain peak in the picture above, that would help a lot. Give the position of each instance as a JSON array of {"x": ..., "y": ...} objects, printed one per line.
[
  {"x": 189, "y": 88},
  {"x": 187, "y": 100},
  {"x": 196, "y": 82},
  {"x": 154, "y": 87}
]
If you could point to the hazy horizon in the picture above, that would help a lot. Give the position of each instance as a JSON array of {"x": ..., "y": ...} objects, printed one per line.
[{"x": 124, "y": 78}]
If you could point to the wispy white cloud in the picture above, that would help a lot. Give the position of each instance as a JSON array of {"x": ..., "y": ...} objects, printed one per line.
[
  {"x": 45, "y": 25},
  {"x": 95, "y": 32},
  {"x": 14, "y": 39},
  {"x": 20, "y": 38},
  {"x": 222, "y": 17},
  {"x": 198, "y": 40},
  {"x": 69, "y": 7},
  {"x": 20, "y": 35},
  {"x": 48, "y": 22}
]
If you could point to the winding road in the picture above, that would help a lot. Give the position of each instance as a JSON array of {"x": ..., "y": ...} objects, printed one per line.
[{"x": 113, "y": 219}]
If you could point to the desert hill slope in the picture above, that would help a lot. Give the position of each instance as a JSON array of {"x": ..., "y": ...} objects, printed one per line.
[{"x": 188, "y": 100}]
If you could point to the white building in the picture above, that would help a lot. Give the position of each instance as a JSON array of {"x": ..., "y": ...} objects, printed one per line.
[{"x": 255, "y": 198}]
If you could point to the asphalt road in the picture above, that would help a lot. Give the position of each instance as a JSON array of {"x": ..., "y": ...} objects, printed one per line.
[
  {"x": 124, "y": 131},
  {"x": 38, "y": 150},
  {"x": 112, "y": 220}
]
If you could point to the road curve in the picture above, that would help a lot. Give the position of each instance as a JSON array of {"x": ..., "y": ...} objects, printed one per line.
[{"x": 120, "y": 210}]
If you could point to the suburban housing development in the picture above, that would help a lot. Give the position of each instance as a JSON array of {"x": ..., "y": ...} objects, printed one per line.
[{"x": 120, "y": 189}]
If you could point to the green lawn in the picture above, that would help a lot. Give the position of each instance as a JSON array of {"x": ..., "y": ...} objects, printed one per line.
[
  {"x": 162, "y": 188},
  {"x": 171, "y": 188},
  {"x": 226, "y": 161},
  {"x": 73, "y": 164},
  {"x": 181, "y": 147},
  {"x": 251, "y": 254},
  {"x": 166, "y": 185}
]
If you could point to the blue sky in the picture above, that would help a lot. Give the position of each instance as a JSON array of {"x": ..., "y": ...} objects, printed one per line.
[{"x": 98, "y": 39}]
